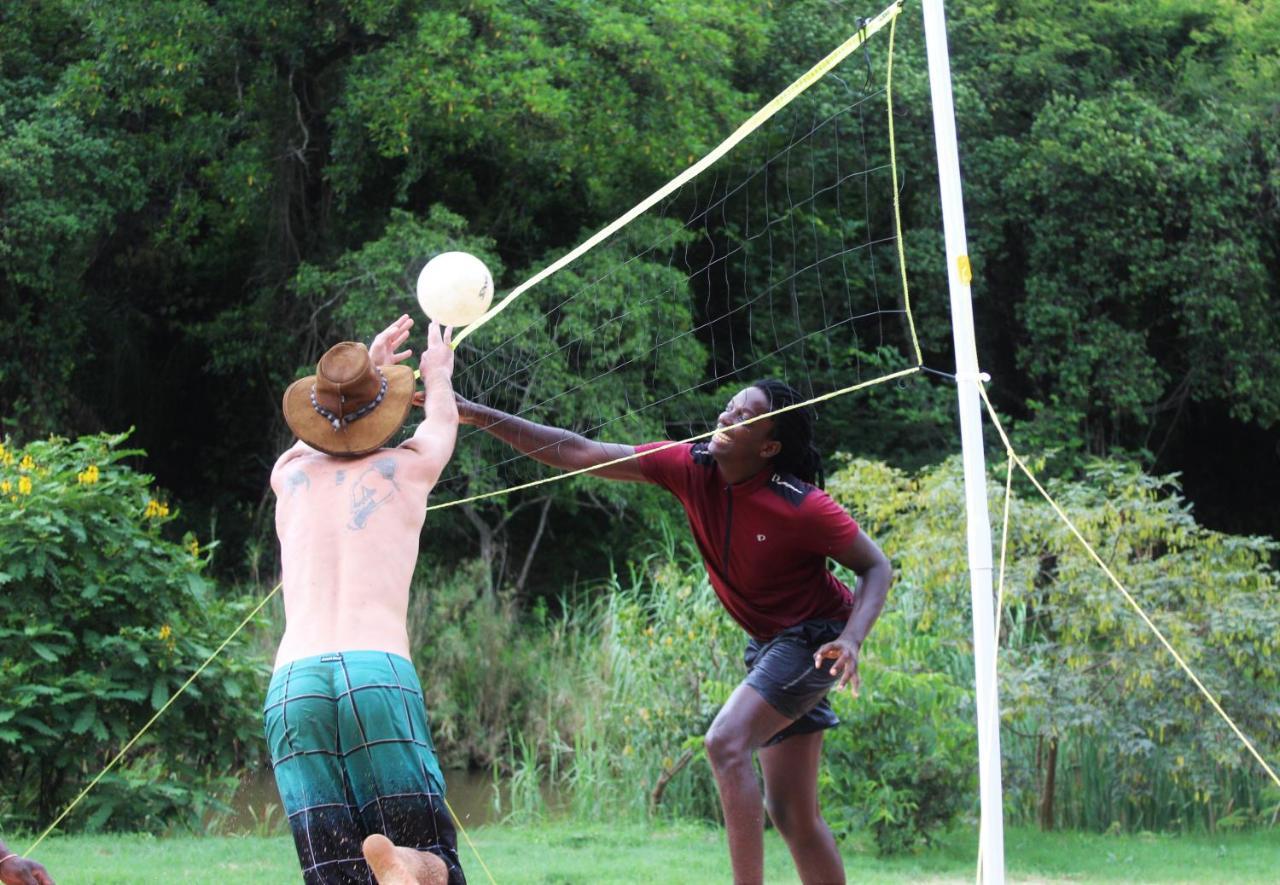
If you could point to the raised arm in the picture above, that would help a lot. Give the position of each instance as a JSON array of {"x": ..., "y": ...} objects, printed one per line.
[
  {"x": 435, "y": 437},
  {"x": 552, "y": 446},
  {"x": 17, "y": 870}
]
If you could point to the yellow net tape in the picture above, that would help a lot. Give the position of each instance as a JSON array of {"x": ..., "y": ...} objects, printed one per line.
[
  {"x": 780, "y": 101},
  {"x": 995, "y": 420},
  {"x": 568, "y": 474},
  {"x": 897, "y": 211}
]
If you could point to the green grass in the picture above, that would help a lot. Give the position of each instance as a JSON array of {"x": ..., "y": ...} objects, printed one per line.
[{"x": 566, "y": 853}]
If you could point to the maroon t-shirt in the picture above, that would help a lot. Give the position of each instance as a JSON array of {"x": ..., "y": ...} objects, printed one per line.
[{"x": 765, "y": 541}]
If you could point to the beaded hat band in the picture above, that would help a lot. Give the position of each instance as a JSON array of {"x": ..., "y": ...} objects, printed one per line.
[{"x": 338, "y": 420}]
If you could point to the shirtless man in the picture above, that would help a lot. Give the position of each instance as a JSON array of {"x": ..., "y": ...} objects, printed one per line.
[{"x": 344, "y": 715}]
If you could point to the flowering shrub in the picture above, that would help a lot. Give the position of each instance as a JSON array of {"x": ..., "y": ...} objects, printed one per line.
[{"x": 103, "y": 617}]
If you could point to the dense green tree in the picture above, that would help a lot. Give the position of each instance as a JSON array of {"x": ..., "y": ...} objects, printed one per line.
[
  {"x": 1123, "y": 169},
  {"x": 167, "y": 178}
]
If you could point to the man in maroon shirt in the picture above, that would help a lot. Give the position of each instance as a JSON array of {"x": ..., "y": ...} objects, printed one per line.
[{"x": 765, "y": 531}]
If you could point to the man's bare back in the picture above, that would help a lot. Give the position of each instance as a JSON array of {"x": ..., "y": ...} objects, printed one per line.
[
  {"x": 348, "y": 532},
  {"x": 349, "y": 527}
]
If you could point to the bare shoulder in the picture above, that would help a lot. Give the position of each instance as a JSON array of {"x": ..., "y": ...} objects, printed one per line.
[
  {"x": 287, "y": 470},
  {"x": 422, "y": 456},
  {"x": 295, "y": 471},
  {"x": 402, "y": 467}
]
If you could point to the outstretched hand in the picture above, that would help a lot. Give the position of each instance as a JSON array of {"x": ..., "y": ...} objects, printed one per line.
[
  {"x": 20, "y": 871},
  {"x": 439, "y": 353},
  {"x": 845, "y": 668},
  {"x": 383, "y": 349},
  {"x": 437, "y": 359}
]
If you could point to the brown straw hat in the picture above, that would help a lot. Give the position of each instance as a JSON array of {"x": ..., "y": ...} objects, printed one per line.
[{"x": 349, "y": 406}]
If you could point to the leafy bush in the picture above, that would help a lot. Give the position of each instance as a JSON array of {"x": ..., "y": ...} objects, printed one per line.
[
  {"x": 903, "y": 761},
  {"x": 103, "y": 619},
  {"x": 1102, "y": 728},
  {"x": 491, "y": 672}
]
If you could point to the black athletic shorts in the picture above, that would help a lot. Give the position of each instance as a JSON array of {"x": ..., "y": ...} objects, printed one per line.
[{"x": 782, "y": 671}]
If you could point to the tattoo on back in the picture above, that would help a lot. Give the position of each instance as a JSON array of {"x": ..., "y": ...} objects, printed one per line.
[
  {"x": 297, "y": 481},
  {"x": 373, "y": 488},
  {"x": 339, "y": 477}
]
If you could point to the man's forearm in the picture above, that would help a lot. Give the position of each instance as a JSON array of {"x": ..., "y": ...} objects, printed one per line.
[
  {"x": 441, "y": 405},
  {"x": 548, "y": 445},
  {"x": 868, "y": 600}
]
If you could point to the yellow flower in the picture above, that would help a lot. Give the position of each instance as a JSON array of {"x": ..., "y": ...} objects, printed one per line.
[
  {"x": 6, "y": 458},
  {"x": 27, "y": 463},
  {"x": 24, "y": 485},
  {"x": 88, "y": 476},
  {"x": 156, "y": 510},
  {"x": 194, "y": 547},
  {"x": 165, "y": 632},
  {"x": 5, "y": 486}
]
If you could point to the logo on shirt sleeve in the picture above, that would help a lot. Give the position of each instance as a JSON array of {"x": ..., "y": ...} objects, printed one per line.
[
  {"x": 701, "y": 454},
  {"x": 789, "y": 488}
]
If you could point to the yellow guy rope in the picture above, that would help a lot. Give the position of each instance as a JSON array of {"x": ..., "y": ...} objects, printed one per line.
[
  {"x": 457, "y": 822},
  {"x": 807, "y": 79},
  {"x": 995, "y": 420},
  {"x": 995, "y": 651},
  {"x": 190, "y": 679}
]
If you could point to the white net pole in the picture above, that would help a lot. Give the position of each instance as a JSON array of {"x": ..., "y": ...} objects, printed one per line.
[{"x": 991, "y": 842}]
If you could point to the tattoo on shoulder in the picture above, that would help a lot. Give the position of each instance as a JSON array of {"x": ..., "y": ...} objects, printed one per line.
[
  {"x": 373, "y": 488},
  {"x": 297, "y": 481},
  {"x": 339, "y": 477}
]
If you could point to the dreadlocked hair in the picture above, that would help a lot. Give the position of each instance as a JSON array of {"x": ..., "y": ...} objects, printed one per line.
[{"x": 794, "y": 429}]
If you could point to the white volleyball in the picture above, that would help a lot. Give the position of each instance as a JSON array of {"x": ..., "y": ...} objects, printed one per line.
[{"x": 455, "y": 289}]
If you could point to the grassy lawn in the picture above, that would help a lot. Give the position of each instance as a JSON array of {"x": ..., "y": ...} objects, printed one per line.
[{"x": 564, "y": 853}]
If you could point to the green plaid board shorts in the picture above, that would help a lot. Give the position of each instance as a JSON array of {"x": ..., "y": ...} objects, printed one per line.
[{"x": 352, "y": 755}]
